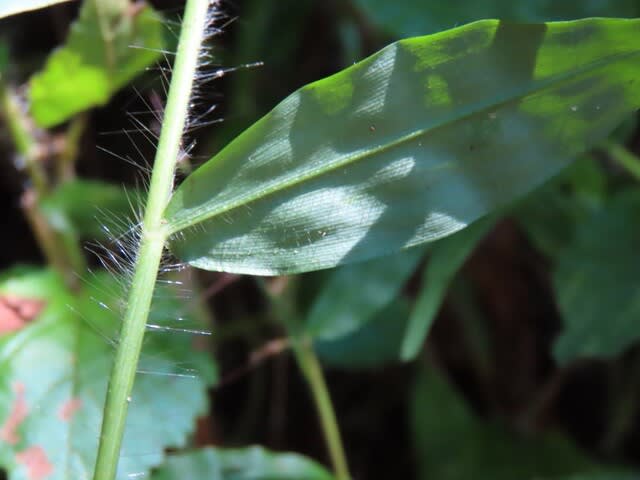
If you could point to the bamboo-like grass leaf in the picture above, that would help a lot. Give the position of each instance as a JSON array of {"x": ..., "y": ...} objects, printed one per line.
[{"x": 407, "y": 146}]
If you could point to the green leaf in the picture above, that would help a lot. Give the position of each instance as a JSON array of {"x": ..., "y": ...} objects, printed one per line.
[
  {"x": 53, "y": 380},
  {"x": 86, "y": 207},
  {"x": 408, "y": 146},
  {"x": 551, "y": 214},
  {"x": 453, "y": 444},
  {"x": 355, "y": 293},
  {"x": 419, "y": 17},
  {"x": 107, "y": 47},
  {"x": 597, "y": 284},
  {"x": 447, "y": 256},
  {"x": 375, "y": 344},
  {"x": 253, "y": 463},
  {"x": 12, "y": 7}
]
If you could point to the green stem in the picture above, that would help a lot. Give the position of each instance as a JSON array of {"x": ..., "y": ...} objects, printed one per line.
[
  {"x": 25, "y": 143},
  {"x": 152, "y": 242},
  {"x": 65, "y": 167},
  {"x": 624, "y": 158},
  {"x": 61, "y": 249},
  {"x": 312, "y": 371}
]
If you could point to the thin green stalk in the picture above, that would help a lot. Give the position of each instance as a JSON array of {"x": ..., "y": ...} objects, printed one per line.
[
  {"x": 25, "y": 143},
  {"x": 624, "y": 158},
  {"x": 312, "y": 371},
  {"x": 61, "y": 249},
  {"x": 152, "y": 241},
  {"x": 283, "y": 303}
]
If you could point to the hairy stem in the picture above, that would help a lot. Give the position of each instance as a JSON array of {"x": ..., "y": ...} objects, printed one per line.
[
  {"x": 312, "y": 371},
  {"x": 152, "y": 241}
]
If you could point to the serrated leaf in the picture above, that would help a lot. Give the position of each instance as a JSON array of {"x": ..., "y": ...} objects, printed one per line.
[
  {"x": 54, "y": 375},
  {"x": 13, "y": 7},
  {"x": 447, "y": 256},
  {"x": 107, "y": 47},
  {"x": 453, "y": 444},
  {"x": 353, "y": 294},
  {"x": 597, "y": 284},
  {"x": 419, "y": 17},
  {"x": 408, "y": 146},
  {"x": 375, "y": 344},
  {"x": 86, "y": 207},
  {"x": 253, "y": 463}
]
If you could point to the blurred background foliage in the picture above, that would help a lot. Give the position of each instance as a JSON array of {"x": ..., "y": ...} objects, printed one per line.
[{"x": 522, "y": 329}]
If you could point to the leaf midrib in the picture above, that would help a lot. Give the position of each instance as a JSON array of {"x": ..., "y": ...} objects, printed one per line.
[{"x": 536, "y": 87}]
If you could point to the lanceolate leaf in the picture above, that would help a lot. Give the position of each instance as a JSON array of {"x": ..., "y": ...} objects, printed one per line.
[
  {"x": 452, "y": 443},
  {"x": 597, "y": 284},
  {"x": 253, "y": 463},
  {"x": 408, "y": 146},
  {"x": 447, "y": 256},
  {"x": 12, "y": 7},
  {"x": 355, "y": 293},
  {"x": 53, "y": 380},
  {"x": 109, "y": 44},
  {"x": 375, "y": 344}
]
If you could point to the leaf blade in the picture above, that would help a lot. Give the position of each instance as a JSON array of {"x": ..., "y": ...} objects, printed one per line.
[{"x": 294, "y": 192}]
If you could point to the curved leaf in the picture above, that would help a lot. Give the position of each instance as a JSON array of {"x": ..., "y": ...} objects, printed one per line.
[
  {"x": 53, "y": 380},
  {"x": 408, "y": 146},
  {"x": 107, "y": 47},
  {"x": 253, "y": 463},
  {"x": 13, "y": 7}
]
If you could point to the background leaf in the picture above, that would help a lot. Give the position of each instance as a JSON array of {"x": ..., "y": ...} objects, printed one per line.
[
  {"x": 54, "y": 376},
  {"x": 452, "y": 444},
  {"x": 97, "y": 59},
  {"x": 12, "y": 7},
  {"x": 406, "y": 18},
  {"x": 86, "y": 206},
  {"x": 353, "y": 294},
  {"x": 375, "y": 344},
  {"x": 597, "y": 284},
  {"x": 407, "y": 146},
  {"x": 447, "y": 256},
  {"x": 252, "y": 463}
]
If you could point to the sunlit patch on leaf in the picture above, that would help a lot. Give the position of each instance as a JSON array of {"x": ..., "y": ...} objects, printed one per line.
[{"x": 410, "y": 160}]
